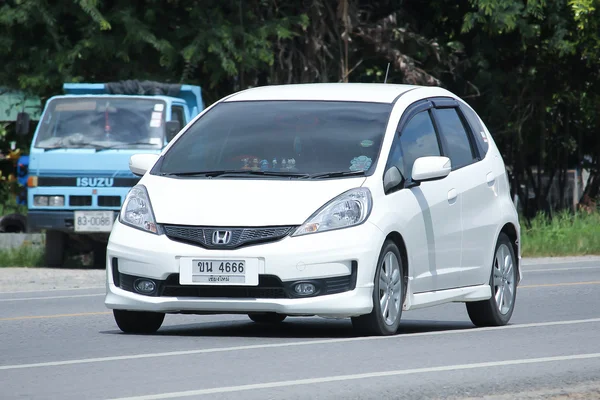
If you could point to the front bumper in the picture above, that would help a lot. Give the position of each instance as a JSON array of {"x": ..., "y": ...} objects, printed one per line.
[{"x": 340, "y": 263}]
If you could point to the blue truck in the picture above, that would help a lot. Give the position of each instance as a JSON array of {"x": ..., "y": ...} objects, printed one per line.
[{"x": 79, "y": 157}]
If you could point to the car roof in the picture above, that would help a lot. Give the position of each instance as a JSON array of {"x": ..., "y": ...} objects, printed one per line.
[{"x": 366, "y": 92}]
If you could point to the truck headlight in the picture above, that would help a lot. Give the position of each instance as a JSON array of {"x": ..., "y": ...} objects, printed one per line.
[{"x": 56, "y": 201}]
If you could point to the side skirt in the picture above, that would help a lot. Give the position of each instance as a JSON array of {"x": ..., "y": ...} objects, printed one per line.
[{"x": 462, "y": 295}]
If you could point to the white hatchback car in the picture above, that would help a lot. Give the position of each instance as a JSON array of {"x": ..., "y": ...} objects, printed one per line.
[{"x": 336, "y": 200}]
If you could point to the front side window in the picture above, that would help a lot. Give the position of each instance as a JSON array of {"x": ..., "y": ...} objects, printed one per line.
[
  {"x": 303, "y": 137},
  {"x": 102, "y": 122},
  {"x": 177, "y": 114},
  {"x": 417, "y": 139}
]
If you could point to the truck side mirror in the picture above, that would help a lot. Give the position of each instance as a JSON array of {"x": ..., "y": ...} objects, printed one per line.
[
  {"x": 22, "y": 124},
  {"x": 173, "y": 128}
]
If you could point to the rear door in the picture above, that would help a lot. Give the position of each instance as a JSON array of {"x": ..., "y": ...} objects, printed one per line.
[{"x": 476, "y": 185}]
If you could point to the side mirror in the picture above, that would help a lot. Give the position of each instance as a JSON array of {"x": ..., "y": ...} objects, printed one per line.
[
  {"x": 140, "y": 163},
  {"x": 431, "y": 168},
  {"x": 392, "y": 179},
  {"x": 173, "y": 128},
  {"x": 22, "y": 124}
]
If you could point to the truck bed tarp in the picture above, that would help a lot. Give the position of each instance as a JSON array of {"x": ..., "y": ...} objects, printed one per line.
[{"x": 135, "y": 87}]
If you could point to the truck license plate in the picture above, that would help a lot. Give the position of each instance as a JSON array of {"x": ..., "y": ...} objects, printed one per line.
[{"x": 94, "y": 221}]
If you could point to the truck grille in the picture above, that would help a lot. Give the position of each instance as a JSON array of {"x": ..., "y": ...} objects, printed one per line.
[
  {"x": 109, "y": 201},
  {"x": 80, "y": 201}
]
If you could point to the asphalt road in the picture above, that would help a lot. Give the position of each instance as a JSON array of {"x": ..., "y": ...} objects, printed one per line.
[{"x": 65, "y": 345}]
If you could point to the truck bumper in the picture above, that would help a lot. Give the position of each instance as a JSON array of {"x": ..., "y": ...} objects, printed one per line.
[
  {"x": 59, "y": 220},
  {"x": 55, "y": 220}
]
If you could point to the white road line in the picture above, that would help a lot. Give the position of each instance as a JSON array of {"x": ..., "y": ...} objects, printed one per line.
[
  {"x": 340, "y": 378},
  {"x": 291, "y": 344},
  {"x": 525, "y": 270},
  {"x": 53, "y": 290},
  {"x": 567, "y": 260},
  {"x": 54, "y": 297}
]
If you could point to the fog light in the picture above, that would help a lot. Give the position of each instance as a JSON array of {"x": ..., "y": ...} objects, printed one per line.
[
  {"x": 304, "y": 289},
  {"x": 145, "y": 286}
]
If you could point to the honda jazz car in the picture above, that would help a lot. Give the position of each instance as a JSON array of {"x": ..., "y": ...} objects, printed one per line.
[{"x": 341, "y": 200}]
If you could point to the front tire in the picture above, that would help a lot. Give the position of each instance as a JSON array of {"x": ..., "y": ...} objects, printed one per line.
[
  {"x": 388, "y": 295},
  {"x": 55, "y": 248},
  {"x": 498, "y": 309},
  {"x": 267, "y": 318},
  {"x": 138, "y": 321}
]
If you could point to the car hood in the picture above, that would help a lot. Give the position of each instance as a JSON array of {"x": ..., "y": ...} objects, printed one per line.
[{"x": 241, "y": 202}]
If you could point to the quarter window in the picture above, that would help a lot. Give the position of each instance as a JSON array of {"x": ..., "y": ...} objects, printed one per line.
[
  {"x": 455, "y": 136},
  {"x": 477, "y": 129}
]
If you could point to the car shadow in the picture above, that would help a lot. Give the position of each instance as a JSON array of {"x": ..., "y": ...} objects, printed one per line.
[{"x": 296, "y": 328}]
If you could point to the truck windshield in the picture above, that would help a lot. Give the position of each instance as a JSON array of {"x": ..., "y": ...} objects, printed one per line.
[
  {"x": 304, "y": 139},
  {"x": 102, "y": 123}
]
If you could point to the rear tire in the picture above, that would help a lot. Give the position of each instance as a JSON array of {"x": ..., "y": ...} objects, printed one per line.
[
  {"x": 267, "y": 318},
  {"x": 138, "y": 321},
  {"x": 388, "y": 295},
  {"x": 55, "y": 248},
  {"x": 498, "y": 309}
]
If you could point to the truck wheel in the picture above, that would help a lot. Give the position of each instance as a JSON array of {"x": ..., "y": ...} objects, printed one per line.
[
  {"x": 55, "y": 248},
  {"x": 99, "y": 255},
  {"x": 13, "y": 223}
]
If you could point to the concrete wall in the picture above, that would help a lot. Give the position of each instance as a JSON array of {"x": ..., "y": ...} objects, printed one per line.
[{"x": 12, "y": 240}]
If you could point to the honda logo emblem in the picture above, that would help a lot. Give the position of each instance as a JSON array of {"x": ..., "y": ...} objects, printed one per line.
[{"x": 221, "y": 237}]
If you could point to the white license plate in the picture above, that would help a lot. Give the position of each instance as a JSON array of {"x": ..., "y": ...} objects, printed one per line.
[
  {"x": 236, "y": 272},
  {"x": 94, "y": 221}
]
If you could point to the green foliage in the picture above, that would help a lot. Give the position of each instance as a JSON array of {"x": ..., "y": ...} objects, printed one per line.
[
  {"x": 566, "y": 234},
  {"x": 24, "y": 256},
  {"x": 530, "y": 68}
]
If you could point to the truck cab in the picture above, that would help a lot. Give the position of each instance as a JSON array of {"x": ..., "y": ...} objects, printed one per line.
[{"x": 79, "y": 159}]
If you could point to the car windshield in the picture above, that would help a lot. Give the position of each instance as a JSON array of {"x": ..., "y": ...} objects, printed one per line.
[
  {"x": 102, "y": 123},
  {"x": 270, "y": 138}
]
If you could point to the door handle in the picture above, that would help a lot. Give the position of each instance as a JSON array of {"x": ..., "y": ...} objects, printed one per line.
[
  {"x": 452, "y": 195},
  {"x": 490, "y": 179}
]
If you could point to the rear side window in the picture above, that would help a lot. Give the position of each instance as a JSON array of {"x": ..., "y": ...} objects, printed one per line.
[
  {"x": 455, "y": 136},
  {"x": 477, "y": 128}
]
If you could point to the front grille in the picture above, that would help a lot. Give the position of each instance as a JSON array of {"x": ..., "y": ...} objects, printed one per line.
[
  {"x": 238, "y": 237},
  {"x": 79, "y": 201},
  {"x": 109, "y": 201}
]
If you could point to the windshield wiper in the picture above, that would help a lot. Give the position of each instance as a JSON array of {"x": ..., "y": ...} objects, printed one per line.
[
  {"x": 88, "y": 145},
  {"x": 335, "y": 174},
  {"x": 212, "y": 174},
  {"x": 134, "y": 143}
]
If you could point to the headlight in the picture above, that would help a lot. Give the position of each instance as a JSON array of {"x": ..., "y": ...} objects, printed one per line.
[
  {"x": 45, "y": 201},
  {"x": 137, "y": 210},
  {"x": 348, "y": 209}
]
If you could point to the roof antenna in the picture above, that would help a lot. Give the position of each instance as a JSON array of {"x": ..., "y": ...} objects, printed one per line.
[{"x": 386, "y": 73}]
